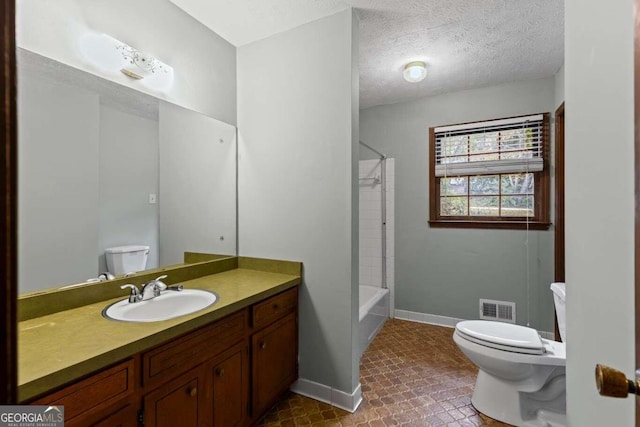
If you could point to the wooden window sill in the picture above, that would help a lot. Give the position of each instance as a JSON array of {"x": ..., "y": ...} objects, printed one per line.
[{"x": 498, "y": 225}]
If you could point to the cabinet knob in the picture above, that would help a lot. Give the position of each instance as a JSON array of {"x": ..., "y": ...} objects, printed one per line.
[
  {"x": 276, "y": 306},
  {"x": 263, "y": 345},
  {"x": 193, "y": 391},
  {"x": 220, "y": 372}
]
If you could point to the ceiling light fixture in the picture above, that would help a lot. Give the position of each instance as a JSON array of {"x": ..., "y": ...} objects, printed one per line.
[{"x": 415, "y": 71}]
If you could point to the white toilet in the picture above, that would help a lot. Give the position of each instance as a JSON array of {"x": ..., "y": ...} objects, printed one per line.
[
  {"x": 126, "y": 259},
  {"x": 521, "y": 378}
]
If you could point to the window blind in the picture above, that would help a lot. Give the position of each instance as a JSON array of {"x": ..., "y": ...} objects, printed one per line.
[{"x": 513, "y": 145}]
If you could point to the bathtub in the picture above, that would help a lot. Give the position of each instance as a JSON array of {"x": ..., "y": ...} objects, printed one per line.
[{"x": 374, "y": 311}]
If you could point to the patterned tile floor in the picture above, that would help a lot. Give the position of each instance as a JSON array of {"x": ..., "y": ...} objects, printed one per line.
[{"x": 412, "y": 374}]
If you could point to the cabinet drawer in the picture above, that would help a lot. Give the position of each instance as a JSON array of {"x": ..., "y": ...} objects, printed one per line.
[
  {"x": 274, "y": 308},
  {"x": 95, "y": 393},
  {"x": 170, "y": 360}
]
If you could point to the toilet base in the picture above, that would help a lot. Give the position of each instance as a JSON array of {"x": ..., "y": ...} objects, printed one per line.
[{"x": 503, "y": 401}]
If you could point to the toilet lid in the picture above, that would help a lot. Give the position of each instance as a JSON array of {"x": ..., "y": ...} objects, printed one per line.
[
  {"x": 503, "y": 336},
  {"x": 128, "y": 248}
]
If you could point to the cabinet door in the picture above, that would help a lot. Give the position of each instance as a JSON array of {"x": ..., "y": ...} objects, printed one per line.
[
  {"x": 230, "y": 388},
  {"x": 274, "y": 357},
  {"x": 124, "y": 417},
  {"x": 177, "y": 403}
]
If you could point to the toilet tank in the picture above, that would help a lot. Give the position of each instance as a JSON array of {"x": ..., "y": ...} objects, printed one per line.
[
  {"x": 559, "y": 299},
  {"x": 126, "y": 259}
]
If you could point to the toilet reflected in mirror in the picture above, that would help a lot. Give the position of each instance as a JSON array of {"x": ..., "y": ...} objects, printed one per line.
[{"x": 126, "y": 259}]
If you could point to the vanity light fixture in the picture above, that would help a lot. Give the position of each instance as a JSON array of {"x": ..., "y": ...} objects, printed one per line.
[
  {"x": 113, "y": 56},
  {"x": 140, "y": 64},
  {"x": 415, "y": 71}
]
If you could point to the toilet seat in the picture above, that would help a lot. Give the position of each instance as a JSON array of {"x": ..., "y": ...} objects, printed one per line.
[{"x": 502, "y": 336}]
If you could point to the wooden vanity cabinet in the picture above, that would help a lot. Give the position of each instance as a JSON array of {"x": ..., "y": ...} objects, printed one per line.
[
  {"x": 274, "y": 349},
  {"x": 182, "y": 379},
  {"x": 213, "y": 394},
  {"x": 225, "y": 374}
]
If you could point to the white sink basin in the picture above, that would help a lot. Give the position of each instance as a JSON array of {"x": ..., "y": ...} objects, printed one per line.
[{"x": 169, "y": 305}]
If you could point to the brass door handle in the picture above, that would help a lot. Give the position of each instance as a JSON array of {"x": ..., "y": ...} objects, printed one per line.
[
  {"x": 613, "y": 383},
  {"x": 263, "y": 345},
  {"x": 220, "y": 372},
  {"x": 193, "y": 391}
]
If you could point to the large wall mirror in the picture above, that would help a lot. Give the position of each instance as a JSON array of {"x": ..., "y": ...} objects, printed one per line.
[{"x": 104, "y": 165}]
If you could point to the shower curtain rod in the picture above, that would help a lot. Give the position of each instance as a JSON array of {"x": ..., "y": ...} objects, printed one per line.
[{"x": 382, "y": 156}]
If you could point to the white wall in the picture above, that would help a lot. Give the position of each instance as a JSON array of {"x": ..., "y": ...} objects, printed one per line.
[
  {"x": 204, "y": 63},
  {"x": 128, "y": 173},
  {"x": 298, "y": 180},
  {"x": 446, "y": 271},
  {"x": 599, "y": 205},
  {"x": 58, "y": 130},
  {"x": 197, "y": 184}
]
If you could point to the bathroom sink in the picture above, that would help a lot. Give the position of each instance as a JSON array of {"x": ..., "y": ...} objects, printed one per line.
[{"x": 169, "y": 305}]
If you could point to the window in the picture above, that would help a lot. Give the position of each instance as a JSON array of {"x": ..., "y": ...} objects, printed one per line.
[{"x": 491, "y": 174}]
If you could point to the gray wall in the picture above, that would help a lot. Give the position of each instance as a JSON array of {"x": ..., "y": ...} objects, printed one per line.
[
  {"x": 600, "y": 230},
  {"x": 58, "y": 130},
  {"x": 128, "y": 173},
  {"x": 445, "y": 271},
  {"x": 296, "y": 95}
]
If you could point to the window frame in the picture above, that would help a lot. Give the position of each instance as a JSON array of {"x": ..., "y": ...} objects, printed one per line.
[{"x": 541, "y": 192}]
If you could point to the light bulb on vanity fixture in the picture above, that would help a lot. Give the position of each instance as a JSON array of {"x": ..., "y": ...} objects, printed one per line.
[{"x": 415, "y": 71}]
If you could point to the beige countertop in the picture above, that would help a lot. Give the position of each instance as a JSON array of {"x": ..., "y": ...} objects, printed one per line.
[{"x": 61, "y": 347}]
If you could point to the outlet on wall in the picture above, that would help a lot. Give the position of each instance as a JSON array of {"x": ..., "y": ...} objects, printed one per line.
[{"x": 152, "y": 199}]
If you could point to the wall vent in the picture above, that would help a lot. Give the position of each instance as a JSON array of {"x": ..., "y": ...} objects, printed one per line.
[{"x": 503, "y": 311}]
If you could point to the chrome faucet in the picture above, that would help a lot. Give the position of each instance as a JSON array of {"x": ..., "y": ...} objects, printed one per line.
[
  {"x": 150, "y": 290},
  {"x": 153, "y": 288}
]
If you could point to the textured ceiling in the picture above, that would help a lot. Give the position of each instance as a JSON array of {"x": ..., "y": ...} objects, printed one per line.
[{"x": 465, "y": 43}]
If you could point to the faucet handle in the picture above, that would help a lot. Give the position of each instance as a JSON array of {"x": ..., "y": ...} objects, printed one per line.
[
  {"x": 161, "y": 285},
  {"x": 134, "y": 296}
]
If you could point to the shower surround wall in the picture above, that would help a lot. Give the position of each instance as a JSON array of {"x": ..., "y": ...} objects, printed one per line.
[{"x": 371, "y": 224}]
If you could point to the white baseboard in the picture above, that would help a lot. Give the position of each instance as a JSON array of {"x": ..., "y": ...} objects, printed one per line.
[
  {"x": 431, "y": 319},
  {"x": 449, "y": 322},
  {"x": 340, "y": 399}
]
